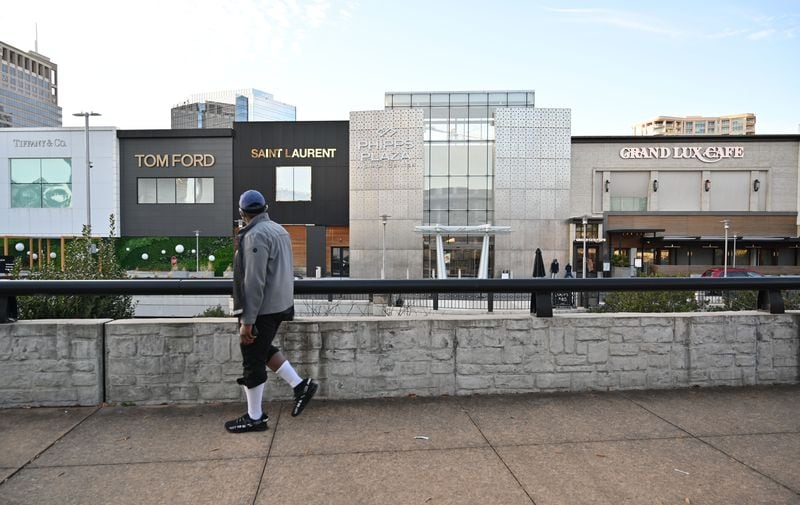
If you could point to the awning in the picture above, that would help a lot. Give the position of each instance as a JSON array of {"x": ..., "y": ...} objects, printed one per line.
[{"x": 634, "y": 230}]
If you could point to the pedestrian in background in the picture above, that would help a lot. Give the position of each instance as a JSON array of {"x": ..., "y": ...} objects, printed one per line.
[{"x": 554, "y": 268}]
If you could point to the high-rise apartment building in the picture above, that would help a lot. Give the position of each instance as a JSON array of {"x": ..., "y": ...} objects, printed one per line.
[
  {"x": 28, "y": 89},
  {"x": 221, "y": 108},
  {"x": 732, "y": 124}
]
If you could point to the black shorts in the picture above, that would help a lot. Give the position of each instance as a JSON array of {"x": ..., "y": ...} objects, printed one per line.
[{"x": 256, "y": 355}]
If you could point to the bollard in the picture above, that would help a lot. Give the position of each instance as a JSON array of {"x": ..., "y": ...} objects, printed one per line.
[{"x": 8, "y": 309}]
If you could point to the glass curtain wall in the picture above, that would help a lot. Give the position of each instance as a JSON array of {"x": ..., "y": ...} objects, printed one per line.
[{"x": 459, "y": 165}]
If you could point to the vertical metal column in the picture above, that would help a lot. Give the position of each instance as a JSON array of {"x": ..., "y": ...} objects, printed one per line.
[
  {"x": 441, "y": 270},
  {"x": 483, "y": 266}
]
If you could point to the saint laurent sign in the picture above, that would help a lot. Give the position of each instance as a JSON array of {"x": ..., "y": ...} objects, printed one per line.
[
  {"x": 174, "y": 160},
  {"x": 283, "y": 152},
  {"x": 711, "y": 154}
]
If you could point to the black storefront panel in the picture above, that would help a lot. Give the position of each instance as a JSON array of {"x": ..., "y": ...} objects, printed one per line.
[
  {"x": 161, "y": 159},
  {"x": 261, "y": 147}
]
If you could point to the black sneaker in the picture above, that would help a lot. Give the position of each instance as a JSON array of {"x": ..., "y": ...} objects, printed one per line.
[
  {"x": 245, "y": 423},
  {"x": 303, "y": 393}
]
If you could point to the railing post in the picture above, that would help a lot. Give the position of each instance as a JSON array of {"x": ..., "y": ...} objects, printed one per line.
[
  {"x": 490, "y": 301},
  {"x": 544, "y": 305},
  {"x": 436, "y": 301},
  {"x": 771, "y": 300}
]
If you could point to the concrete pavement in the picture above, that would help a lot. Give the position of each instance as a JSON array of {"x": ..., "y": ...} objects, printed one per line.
[{"x": 696, "y": 446}]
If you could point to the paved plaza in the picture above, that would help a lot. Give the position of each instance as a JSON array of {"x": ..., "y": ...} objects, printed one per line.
[{"x": 691, "y": 446}]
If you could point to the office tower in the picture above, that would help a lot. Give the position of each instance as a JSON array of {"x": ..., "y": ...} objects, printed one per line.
[
  {"x": 732, "y": 124},
  {"x": 221, "y": 108},
  {"x": 28, "y": 89}
]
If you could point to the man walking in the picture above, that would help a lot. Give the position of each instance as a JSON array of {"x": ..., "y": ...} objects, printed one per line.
[{"x": 263, "y": 296}]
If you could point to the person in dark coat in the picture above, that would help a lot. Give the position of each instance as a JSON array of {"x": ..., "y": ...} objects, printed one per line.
[
  {"x": 554, "y": 268},
  {"x": 568, "y": 271}
]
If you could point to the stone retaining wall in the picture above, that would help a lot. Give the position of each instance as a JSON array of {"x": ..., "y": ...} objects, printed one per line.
[
  {"x": 198, "y": 360},
  {"x": 51, "y": 362}
]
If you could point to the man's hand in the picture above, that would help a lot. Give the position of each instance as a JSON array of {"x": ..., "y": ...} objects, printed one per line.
[{"x": 246, "y": 334}]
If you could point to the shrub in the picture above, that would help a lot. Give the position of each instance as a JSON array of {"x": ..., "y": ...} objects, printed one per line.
[
  {"x": 80, "y": 264},
  {"x": 215, "y": 311},
  {"x": 648, "y": 301}
]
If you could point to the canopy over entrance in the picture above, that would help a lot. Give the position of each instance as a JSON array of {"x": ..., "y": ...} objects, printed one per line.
[{"x": 483, "y": 229}]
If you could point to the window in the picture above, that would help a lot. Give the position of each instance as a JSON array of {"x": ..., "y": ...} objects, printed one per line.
[
  {"x": 292, "y": 184},
  {"x": 41, "y": 183},
  {"x": 170, "y": 190}
]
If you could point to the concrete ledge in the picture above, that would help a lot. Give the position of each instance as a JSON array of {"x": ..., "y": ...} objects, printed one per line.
[{"x": 188, "y": 361}]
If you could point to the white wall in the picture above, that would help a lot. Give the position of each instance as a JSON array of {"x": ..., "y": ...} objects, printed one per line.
[{"x": 62, "y": 143}]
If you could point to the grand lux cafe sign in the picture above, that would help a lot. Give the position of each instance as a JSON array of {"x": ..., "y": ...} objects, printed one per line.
[{"x": 711, "y": 154}]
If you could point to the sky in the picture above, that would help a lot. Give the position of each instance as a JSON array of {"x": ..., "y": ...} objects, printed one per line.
[{"x": 613, "y": 63}]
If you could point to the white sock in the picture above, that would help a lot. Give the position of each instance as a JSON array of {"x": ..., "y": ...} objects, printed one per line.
[
  {"x": 254, "y": 401},
  {"x": 288, "y": 373}
]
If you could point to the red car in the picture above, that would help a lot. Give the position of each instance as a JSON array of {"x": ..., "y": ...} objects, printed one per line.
[{"x": 732, "y": 272}]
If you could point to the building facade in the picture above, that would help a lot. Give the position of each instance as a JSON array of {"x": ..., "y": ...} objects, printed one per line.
[
  {"x": 666, "y": 204},
  {"x": 301, "y": 168},
  {"x": 221, "y": 109},
  {"x": 174, "y": 182},
  {"x": 491, "y": 158},
  {"x": 43, "y": 181},
  {"x": 28, "y": 89},
  {"x": 733, "y": 124}
]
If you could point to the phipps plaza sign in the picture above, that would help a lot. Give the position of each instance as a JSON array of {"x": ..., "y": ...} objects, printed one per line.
[
  {"x": 711, "y": 154},
  {"x": 386, "y": 147}
]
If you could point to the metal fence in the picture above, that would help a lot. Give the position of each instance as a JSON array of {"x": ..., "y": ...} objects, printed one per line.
[{"x": 539, "y": 296}]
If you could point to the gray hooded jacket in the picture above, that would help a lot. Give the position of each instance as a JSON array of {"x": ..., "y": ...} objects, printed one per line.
[{"x": 263, "y": 273}]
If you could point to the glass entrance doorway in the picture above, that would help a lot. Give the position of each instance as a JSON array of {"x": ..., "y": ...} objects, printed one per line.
[
  {"x": 340, "y": 262},
  {"x": 592, "y": 260},
  {"x": 462, "y": 254}
]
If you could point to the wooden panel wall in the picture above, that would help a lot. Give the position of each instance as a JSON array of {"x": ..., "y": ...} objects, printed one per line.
[
  {"x": 694, "y": 225},
  {"x": 298, "y": 234}
]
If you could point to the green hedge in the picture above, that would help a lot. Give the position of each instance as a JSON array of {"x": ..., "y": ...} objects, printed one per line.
[{"x": 130, "y": 250}]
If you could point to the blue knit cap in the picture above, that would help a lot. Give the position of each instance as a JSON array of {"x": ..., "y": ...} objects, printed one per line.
[{"x": 252, "y": 202}]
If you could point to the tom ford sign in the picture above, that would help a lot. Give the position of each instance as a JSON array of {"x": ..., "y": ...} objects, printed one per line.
[
  {"x": 174, "y": 160},
  {"x": 711, "y": 154}
]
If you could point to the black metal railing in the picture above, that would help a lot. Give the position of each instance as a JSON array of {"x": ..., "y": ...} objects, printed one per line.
[{"x": 539, "y": 291}]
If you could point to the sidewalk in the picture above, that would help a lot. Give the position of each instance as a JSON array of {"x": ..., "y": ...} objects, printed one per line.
[{"x": 698, "y": 446}]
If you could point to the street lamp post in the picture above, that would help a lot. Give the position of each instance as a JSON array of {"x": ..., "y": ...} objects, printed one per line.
[
  {"x": 726, "y": 224},
  {"x": 734, "y": 251},
  {"x": 88, "y": 166},
  {"x": 197, "y": 250},
  {"x": 384, "y": 217},
  {"x": 584, "y": 220}
]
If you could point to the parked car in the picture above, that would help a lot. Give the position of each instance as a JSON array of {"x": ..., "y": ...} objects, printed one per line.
[
  {"x": 732, "y": 272},
  {"x": 714, "y": 298}
]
